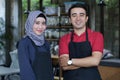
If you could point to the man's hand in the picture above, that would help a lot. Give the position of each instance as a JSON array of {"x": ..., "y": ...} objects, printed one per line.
[{"x": 63, "y": 59}]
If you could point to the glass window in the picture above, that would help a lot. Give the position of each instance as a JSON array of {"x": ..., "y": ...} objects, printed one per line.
[
  {"x": 2, "y": 32},
  {"x": 111, "y": 25}
]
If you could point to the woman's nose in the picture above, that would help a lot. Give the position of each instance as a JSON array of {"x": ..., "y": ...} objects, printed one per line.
[{"x": 40, "y": 26}]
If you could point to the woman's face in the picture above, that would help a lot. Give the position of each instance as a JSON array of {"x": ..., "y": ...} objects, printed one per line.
[{"x": 39, "y": 25}]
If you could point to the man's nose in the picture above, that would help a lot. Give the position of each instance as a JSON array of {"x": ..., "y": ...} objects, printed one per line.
[{"x": 78, "y": 17}]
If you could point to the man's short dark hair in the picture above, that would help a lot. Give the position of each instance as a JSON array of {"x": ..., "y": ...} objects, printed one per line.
[{"x": 79, "y": 5}]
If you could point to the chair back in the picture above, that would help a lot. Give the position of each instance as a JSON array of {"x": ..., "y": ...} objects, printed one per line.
[{"x": 14, "y": 58}]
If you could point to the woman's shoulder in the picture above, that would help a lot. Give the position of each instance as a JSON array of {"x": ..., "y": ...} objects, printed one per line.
[
  {"x": 24, "y": 41},
  {"x": 47, "y": 42}
]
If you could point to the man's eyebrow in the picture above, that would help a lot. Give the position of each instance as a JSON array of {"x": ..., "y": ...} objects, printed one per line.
[
  {"x": 82, "y": 13},
  {"x": 76, "y": 13}
]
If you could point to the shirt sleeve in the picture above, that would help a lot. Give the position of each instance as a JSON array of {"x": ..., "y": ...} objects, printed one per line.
[
  {"x": 63, "y": 45},
  {"x": 98, "y": 43},
  {"x": 26, "y": 72}
]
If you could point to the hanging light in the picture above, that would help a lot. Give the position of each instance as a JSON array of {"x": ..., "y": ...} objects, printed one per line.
[{"x": 101, "y": 3}]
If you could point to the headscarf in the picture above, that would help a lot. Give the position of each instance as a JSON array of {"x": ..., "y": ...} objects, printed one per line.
[{"x": 37, "y": 39}]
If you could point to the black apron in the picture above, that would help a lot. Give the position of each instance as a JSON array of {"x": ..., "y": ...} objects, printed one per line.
[
  {"x": 81, "y": 50},
  {"x": 42, "y": 64}
]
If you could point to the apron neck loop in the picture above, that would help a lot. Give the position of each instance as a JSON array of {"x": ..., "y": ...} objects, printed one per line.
[{"x": 72, "y": 34}]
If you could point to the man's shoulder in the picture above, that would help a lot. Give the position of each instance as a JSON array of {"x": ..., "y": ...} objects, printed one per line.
[
  {"x": 95, "y": 34},
  {"x": 66, "y": 36}
]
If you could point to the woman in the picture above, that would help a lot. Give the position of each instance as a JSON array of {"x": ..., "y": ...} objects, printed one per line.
[{"x": 34, "y": 51}]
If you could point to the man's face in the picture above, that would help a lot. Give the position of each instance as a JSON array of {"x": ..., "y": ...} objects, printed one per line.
[{"x": 78, "y": 18}]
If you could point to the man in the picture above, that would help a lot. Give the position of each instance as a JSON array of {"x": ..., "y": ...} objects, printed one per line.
[{"x": 80, "y": 51}]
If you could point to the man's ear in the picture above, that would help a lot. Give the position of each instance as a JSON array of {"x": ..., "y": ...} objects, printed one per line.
[
  {"x": 69, "y": 20},
  {"x": 86, "y": 18}
]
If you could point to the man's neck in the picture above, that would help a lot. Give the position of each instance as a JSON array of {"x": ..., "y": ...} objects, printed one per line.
[{"x": 80, "y": 31}]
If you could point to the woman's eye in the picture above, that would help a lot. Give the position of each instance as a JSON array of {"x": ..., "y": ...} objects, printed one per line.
[
  {"x": 37, "y": 22},
  {"x": 43, "y": 23}
]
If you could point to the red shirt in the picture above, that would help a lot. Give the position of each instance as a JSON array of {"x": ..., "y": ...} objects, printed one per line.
[{"x": 95, "y": 38}]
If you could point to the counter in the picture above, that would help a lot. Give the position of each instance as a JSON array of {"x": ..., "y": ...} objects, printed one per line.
[
  {"x": 110, "y": 69},
  {"x": 110, "y": 62}
]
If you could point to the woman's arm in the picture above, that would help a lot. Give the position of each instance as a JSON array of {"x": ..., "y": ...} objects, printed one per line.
[{"x": 26, "y": 72}]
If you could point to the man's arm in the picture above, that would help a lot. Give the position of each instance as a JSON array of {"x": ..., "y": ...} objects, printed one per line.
[
  {"x": 63, "y": 59},
  {"x": 90, "y": 61}
]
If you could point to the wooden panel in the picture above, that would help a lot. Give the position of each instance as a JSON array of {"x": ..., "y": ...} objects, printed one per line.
[
  {"x": 109, "y": 73},
  {"x": 55, "y": 60}
]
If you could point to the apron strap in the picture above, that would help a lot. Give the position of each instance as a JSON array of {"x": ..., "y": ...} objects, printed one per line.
[
  {"x": 71, "y": 40},
  {"x": 86, "y": 35},
  {"x": 72, "y": 33}
]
